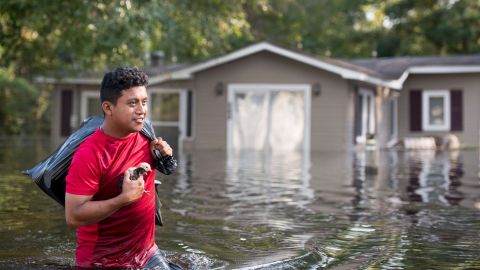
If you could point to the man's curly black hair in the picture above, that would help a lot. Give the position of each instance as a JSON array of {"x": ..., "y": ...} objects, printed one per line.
[{"x": 122, "y": 78}]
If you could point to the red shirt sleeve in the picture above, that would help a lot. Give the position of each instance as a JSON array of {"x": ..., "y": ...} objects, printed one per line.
[{"x": 84, "y": 173}]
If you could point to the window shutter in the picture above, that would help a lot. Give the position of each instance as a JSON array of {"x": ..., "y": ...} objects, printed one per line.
[
  {"x": 456, "y": 110},
  {"x": 66, "y": 112},
  {"x": 189, "y": 113},
  {"x": 415, "y": 110}
]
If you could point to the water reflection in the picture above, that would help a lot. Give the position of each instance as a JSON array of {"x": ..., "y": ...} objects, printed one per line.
[
  {"x": 379, "y": 210},
  {"x": 424, "y": 185},
  {"x": 263, "y": 184},
  {"x": 434, "y": 177},
  {"x": 417, "y": 176}
]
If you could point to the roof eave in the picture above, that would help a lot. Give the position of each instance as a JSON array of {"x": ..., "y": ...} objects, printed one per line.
[
  {"x": 49, "y": 80},
  {"x": 362, "y": 77},
  {"x": 172, "y": 76},
  {"x": 434, "y": 70}
]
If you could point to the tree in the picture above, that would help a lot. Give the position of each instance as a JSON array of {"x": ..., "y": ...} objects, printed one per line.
[
  {"x": 322, "y": 27},
  {"x": 65, "y": 38},
  {"x": 431, "y": 27},
  {"x": 13, "y": 94}
]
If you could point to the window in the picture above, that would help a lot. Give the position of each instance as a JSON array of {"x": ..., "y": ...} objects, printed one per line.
[
  {"x": 365, "y": 116},
  {"x": 167, "y": 113},
  {"x": 90, "y": 104},
  {"x": 167, "y": 107},
  {"x": 436, "y": 110}
]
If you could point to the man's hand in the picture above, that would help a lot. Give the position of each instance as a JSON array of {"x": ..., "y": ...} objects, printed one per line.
[
  {"x": 132, "y": 190},
  {"x": 80, "y": 210},
  {"x": 162, "y": 146}
]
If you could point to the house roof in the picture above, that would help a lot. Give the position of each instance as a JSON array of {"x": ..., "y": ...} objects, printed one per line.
[
  {"x": 344, "y": 69},
  {"x": 92, "y": 78},
  {"x": 393, "y": 67},
  {"x": 398, "y": 69},
  {"x": 387, "y": 72}
]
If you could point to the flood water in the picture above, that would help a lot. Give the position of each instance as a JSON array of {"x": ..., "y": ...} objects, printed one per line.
[{"x": 324, "y": 210}]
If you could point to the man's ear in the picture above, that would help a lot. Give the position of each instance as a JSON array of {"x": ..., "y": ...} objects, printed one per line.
[{"x": 107, "y": 108}]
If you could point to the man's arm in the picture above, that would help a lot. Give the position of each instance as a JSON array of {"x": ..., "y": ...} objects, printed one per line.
[{"x": 81, "y": 210}]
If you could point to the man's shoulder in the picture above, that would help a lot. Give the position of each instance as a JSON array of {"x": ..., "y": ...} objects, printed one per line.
[
  {"x": 142, "y": 137},
  {"x": 91, "y": 143},
  {"x": 138, "y": 137}
]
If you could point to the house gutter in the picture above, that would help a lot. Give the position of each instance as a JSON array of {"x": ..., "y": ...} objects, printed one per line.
[
  {"x": 398, "y": 84},
  {"x": 48, "y": 80}
]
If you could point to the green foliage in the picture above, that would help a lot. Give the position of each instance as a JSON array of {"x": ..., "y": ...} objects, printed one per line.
[
  {"x": 194, "y": 30},
  {"x": 43, "y": 36},
  {"x": 39, "y": 37},
  {"x": 17, "y": 113},
  {"x": 431, "y": 27},
  {"x": 322, "y": 27}
]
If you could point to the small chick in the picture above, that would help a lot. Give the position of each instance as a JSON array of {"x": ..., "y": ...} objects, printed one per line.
[{"x": 142, "y": 169}]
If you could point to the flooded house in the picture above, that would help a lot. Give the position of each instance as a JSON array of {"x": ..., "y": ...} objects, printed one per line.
[{"x": 266, "y": 97}]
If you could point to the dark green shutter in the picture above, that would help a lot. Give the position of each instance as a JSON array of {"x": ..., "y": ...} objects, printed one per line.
[
  {"x": 415, "y": 104},
  {"x": 456, "y": 110},
  {"x": 65, "y": 112},
  {"x": 189, "y": 113}
]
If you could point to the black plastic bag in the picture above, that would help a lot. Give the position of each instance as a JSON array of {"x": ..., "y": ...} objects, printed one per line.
[{"x": 50, "y": 174}]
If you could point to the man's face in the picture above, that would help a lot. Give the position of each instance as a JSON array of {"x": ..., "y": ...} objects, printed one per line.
[{"x": 130, "y": 112}]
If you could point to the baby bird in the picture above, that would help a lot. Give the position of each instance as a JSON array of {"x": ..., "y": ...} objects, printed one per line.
[
  {"x": 142, "y": 169},
  {"x": 135, "y": 173}
]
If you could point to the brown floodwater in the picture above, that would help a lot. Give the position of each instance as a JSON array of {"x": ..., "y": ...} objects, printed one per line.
[{"x": 257, "y": 210}]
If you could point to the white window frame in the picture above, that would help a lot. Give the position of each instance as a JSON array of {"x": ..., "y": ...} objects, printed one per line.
[
  {"x": 426, "y": 95},
  {"x": 85, "y": 95},
  {"x": 367, "y": 115}
]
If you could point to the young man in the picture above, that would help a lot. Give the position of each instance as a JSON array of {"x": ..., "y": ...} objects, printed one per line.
[{"x": 116, "y": 228}]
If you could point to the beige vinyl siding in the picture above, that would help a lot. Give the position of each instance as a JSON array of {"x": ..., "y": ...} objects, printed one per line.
[
  {"x": 468, "y": 83},
  {"x": 172, "y": 85},
  {"x": 330, "y": 117}
]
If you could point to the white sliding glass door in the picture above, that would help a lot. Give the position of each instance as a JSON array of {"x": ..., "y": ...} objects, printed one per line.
[{"x": 269, "y": 117}]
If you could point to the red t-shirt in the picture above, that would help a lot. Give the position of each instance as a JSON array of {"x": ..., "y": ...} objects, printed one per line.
[{"x": 127, "y": 237}]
